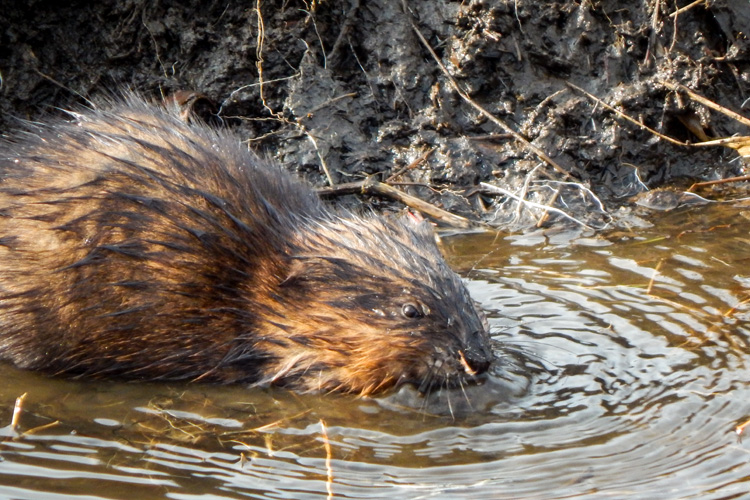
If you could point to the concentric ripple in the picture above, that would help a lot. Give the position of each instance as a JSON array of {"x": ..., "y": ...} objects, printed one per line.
[{"x": 624, "y": 371}]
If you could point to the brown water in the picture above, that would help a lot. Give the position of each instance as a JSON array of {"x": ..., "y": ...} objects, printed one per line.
[{"x": 635, "y": 376}]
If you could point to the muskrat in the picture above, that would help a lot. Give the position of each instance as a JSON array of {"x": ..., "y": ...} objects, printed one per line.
[{"x": 134, "y": 245}]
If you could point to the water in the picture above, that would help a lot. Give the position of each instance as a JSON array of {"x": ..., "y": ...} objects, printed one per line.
[{"x": 635, "y": 380}]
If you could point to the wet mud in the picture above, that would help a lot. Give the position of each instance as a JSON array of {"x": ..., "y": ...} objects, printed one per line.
[{"x": 339, "y": 91}]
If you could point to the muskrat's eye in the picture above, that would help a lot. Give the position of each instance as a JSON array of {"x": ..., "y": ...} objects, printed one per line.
[{"x": 410, "y": 310}]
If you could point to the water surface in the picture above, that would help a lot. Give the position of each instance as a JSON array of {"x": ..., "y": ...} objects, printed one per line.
[{"x": 633, "y": 381}]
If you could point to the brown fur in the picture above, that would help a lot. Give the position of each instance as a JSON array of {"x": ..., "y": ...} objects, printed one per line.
[{"x": 136, "y": 246}]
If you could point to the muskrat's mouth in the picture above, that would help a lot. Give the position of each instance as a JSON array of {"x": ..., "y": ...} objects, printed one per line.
[
  {"x": 450, "y": 375},
  {"x": 470, "y": 370}
]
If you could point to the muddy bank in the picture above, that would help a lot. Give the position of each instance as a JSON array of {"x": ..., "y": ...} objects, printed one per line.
[{"x": 339, "y": 91}]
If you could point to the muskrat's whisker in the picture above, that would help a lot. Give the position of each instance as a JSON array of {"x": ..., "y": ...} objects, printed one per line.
[
  {"x": 466, "y": 396},
  {"x": 450, "y": 405}
]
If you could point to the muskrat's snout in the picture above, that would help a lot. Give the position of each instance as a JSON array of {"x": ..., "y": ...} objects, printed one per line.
[{"x": 477, "y": 356}]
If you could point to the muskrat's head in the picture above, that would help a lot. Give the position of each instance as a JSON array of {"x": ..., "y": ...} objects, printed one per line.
[{"x": 367, "y": 304}]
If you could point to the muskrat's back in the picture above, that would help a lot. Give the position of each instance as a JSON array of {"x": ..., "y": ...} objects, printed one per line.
[{"x": 136, "y": 246}]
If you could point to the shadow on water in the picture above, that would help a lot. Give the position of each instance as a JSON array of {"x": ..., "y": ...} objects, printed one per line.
[{"x": 622, "y": 372}]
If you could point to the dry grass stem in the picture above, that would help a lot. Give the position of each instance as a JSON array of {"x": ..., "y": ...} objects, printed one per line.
[
  {"x": 411, "y": 165},
  {"x": 730, "y": 312},
  {"x": 525, "y": 189},
  {"x": 259, "y": 55},
  {"x": 17, "y": 411},
  {"x": 740, "y": 144},
  {"x": 498, "y": 190},
  {"x": 329, "y": 454},
  {"x": 687, "y": 8},
  {"x": 41, "y": 428},
  {"x": 651, "y": 282}
]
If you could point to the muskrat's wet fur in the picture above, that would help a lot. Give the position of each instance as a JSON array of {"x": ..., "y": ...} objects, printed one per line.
[{"x": 136, "y": 246}]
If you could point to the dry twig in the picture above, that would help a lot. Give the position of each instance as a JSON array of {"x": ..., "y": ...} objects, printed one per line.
[
  {"x": 371, "y": 186},
  {"x": 411, "y": 165},
  {"x": 707, "y": 102},
  {"x": 626, "y": 117},
  {"x": 686, "y": 8},
  {"x": 740, "y": 144}
]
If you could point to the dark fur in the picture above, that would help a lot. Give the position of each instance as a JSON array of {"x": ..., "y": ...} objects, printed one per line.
[{"x": 136, "y": 246}]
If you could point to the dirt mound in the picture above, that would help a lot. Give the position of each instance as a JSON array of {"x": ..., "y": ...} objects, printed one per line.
[{"x": 343, "y": 90}]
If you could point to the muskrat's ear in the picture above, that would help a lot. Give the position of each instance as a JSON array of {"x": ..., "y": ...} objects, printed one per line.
[
  {"x": 415, "y": 220},
  {"x": 418, "y": 224}
]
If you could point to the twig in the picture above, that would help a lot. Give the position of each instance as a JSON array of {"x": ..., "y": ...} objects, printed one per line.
[
  {"x": 461, "y": 92},
  {"x": 311, "y": 15},
  {"x": 371, "y": 186},
  {"x": 62, "y": 86},
  {"x": 41, "y": 428},
  {"x": 686, "y": 8},
  {"x": 249, "y": 85},
  {"x": 718, "y": 181},
  {"x": 731, "y": 142},
  {"x": 259, "y": 56},
  {"x": 624, "y": 116},
  {"x": 735, "y": 307},
  {"x": 330, "y": 101},
  {"x": 582, "y": 188},
  {"x": 706, "y": 102},
  {"x": 487, "y": 137},
  {"x": 525, "y": 189},
  {"x": 650, "y": 286},
  {"x": 323, "y": 163},
  {"x": 654, "y": 30},
  {"x": 545, "y": 215},
  {"x": 411, "y": 165}
]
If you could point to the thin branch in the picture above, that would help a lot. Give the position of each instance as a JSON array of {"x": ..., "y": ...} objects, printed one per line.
[
  {"x": 626, "y": 117},
  {"x": 371, "y": 186},
  {"x": 706, "y": 102},
  {"x": 686, "y": 8}
]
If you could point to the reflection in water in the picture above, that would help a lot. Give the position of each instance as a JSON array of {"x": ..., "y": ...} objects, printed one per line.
[{"x": 631, "y": 379}]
